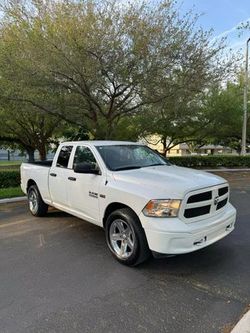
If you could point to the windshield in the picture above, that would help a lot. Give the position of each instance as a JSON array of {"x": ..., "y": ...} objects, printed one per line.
[{"x": 125, "y": 157}]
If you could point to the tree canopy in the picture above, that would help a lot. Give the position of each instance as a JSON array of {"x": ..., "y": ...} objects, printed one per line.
[
  {"x": 223, "y": 111},
  {"x": 100, "y": 64},
  {"x": 27, "y": 130}
]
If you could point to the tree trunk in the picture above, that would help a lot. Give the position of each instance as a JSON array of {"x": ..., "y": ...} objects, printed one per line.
[
  {"x": 109, "y": 131},
  {"x": 31, "y": 154},
  {"x": 164, "y": 143},
  {"x": 42, "y": 152}
]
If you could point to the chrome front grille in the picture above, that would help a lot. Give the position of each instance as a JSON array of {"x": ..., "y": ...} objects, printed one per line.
[{"x": 201, "y": 203}]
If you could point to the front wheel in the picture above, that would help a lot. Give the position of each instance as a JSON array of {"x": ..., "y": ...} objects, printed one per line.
[
  {"x": 37, "y": 206},
  {"x": 126, "y": 238}
]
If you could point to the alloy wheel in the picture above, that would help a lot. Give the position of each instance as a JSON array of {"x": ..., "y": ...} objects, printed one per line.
[{"x": 121, "y": 238}]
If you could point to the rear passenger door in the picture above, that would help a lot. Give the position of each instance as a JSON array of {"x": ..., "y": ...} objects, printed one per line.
[
  {"x": 84, "y": 189},
  {"x": 58, "y": 177}
]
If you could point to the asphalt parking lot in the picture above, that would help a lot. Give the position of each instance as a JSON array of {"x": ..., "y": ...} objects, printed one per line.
[{"x": 57, "y": 275}]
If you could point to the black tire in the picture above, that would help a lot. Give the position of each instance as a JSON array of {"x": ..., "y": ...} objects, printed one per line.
[
  {"x": 37, "y": 206},
  {"x": 129, "y": 219}
]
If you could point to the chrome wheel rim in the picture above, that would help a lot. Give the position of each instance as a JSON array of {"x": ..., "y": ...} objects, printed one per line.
[
  {"x": 33, "y": 204},
  {"x": 121, "y": 238}
]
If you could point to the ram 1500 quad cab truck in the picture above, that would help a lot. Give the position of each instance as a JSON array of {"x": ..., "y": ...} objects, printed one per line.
[{"x": 145, "y": 204}]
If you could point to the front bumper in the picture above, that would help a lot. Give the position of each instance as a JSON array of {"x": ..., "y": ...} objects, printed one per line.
[{"x": 173, "y": 236}]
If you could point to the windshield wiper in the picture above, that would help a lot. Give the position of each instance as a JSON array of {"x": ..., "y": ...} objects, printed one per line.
[
  {"x": 127, "y": 168},
  {"x": 150, "y": 165}
]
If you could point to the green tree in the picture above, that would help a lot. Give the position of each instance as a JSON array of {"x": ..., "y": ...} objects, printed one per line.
[
  {"x": 173, "y": 123},
  {"x": 223, "y": 110},
  {"x": 28, "y": 130},
  {"x": 96, "y": 63}
]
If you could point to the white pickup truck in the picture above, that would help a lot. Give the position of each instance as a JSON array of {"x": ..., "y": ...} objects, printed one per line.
[{"x": 145, "y": 204}]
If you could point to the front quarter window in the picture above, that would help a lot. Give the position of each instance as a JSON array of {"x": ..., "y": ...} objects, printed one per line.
[{"x": 84, "y": 155}]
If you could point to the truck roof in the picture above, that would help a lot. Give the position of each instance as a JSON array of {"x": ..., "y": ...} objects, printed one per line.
[{"x": 102, "y": 142}]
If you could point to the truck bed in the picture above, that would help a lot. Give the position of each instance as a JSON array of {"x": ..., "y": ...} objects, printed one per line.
[
  {"x": 47, "y": 164},
  {"x": 38, "y": 172}
]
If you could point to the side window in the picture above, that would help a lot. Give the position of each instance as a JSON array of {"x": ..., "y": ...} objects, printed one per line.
[
  {"x": 84, "y": 155},
  {"x": 63, "y": 157}
]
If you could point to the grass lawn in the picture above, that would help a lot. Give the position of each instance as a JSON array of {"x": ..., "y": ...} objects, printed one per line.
[
  {"x": 11, "y": 192},
  {"x": 7, "y": 163}
]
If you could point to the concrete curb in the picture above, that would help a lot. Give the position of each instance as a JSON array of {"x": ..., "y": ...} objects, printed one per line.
[
  {"x": 8, "y": 200},
  {"x": 243, "y": 325}
]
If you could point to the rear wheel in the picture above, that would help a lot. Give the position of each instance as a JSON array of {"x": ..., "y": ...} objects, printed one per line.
[
  {"x": 126, "y": 238},
  {"x": 37, "y": 206}
]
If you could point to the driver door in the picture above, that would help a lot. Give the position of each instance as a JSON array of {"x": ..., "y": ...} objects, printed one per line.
[{"x": 83, "y": 189}]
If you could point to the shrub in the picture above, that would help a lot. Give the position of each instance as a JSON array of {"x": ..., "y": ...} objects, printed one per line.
[
  {"x": 212, "y": 161},
  {"x": 9, "y": 178}
]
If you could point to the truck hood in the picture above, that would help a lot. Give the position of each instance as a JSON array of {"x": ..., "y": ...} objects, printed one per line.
[{"x": 166, "y": 181}]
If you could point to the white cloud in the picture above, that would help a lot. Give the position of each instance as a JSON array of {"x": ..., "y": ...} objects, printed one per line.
[{"x": 233, "y": 29}]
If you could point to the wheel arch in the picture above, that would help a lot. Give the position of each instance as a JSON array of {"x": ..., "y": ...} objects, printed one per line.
[
  {"x": 30, "y": 182},
  {"x": 114, "y": 206}
]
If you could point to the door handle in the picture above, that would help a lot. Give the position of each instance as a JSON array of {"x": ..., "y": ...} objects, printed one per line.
[
  {"x": 53, "y": 174},
  {"x": 72, "y": 179}
]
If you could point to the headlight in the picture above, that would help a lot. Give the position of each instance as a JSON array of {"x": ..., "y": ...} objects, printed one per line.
[{"x": 162, "y": 208}]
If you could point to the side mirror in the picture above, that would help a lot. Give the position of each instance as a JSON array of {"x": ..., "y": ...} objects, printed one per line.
[{"x": 85, "y": 168}]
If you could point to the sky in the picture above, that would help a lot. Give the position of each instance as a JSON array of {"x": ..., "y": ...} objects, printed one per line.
[{"x": 223, "y": 16}]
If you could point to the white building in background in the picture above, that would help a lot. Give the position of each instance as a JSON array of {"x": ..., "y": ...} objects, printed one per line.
[{"x": 183, "y": 149}]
